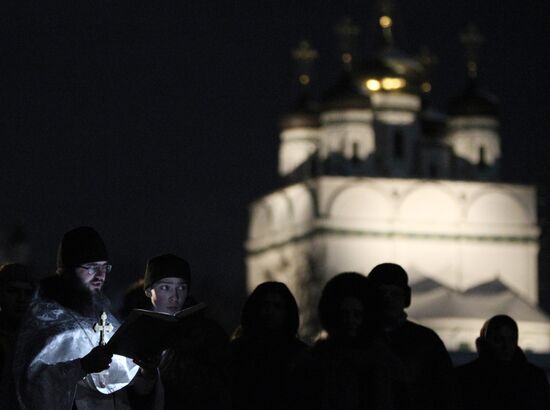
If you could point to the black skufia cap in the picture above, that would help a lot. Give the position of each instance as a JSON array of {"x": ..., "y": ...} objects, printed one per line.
[
  {"x": 166, "y": 266},
  {"x": 78, "y": 246}
]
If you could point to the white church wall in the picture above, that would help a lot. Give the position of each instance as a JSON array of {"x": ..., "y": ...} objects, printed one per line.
[
  {"x": 429, "y": 258},
  {"x": 431, "y": 205},
  {"x": 301, "y": 199},
  {"x": 468, "y": 134},
  {"x": 493, "y": 207},
  {"x": 347, "y": 132},
  {"x": 515, "y": 264},
  {"x": 261, "y": 221},
  {"x": 361, "y": 202},
  {"x": 394, "y": 107},
  {"x": 297, "y": 146},
  {"x": 280, "y": 216},
  {"x": 355, "y": 253}
]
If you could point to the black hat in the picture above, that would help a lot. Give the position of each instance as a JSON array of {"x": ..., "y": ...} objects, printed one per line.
[
  {"x": 166, "y": 266},
  {"x": 14, "y": 272},
  {"x": 80, "y": 245},
  {"x": 389, "y": 274}
]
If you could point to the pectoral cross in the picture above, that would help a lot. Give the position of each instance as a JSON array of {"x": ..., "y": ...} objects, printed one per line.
[{"x": 102, "y": 327}]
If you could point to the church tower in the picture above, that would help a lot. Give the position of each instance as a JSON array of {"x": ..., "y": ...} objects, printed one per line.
[
  {"x": 473, "y": 121},
  {"x": 348, "y": 143},
  {"x": 392, "y": 79},
  {"x": 435, "y": 154},
  {"x": 300, "y": 127}
]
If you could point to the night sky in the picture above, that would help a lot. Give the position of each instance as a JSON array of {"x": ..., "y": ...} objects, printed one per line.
[{"x": 156, "y": 122}]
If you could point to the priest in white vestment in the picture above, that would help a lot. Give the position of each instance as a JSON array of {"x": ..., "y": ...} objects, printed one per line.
[{"x": 58, "y": 362}]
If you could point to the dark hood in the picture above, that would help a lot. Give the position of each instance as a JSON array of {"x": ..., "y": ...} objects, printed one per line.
[{"x": 250, "y": 321}]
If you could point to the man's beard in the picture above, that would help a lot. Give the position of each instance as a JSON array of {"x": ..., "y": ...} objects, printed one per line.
[{"x": 69, "y": 291}]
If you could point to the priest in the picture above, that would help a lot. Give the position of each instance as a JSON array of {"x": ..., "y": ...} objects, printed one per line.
[{"x": 61, "y": 361}]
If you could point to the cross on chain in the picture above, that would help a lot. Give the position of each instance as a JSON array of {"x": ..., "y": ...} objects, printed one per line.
[{"x": 102, "y": 327}]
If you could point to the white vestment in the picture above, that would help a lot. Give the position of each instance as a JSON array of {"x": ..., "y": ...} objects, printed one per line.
[{"x": 47, "y": 370}]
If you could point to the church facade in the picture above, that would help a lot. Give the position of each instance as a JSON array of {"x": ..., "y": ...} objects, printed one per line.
[{"x": 374, "y": 174}]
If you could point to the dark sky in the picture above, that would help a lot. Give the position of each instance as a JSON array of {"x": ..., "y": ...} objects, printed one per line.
[{"x": 156, "y": 122}]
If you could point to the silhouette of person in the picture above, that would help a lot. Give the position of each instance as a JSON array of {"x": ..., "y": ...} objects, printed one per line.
[
  {"x": 427, "y": 376},
  {"x": 350, "y": 368},
  {"x": 266, "y": 349},
  {"x": 501, "y": 377},
  {"x": 193, "y": 370},
  {"x": 134, "y": 298},
  {"x": 17, "y": 286}
]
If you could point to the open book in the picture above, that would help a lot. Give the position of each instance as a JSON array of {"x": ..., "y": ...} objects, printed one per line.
[{"x": 146, "y": 333}]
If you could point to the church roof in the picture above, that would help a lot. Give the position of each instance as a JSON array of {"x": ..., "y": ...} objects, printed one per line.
[
  {"x": 432, "y": 300},
  {"x": 344, "y": 95},
  {"x": 305, "y": 114},
  {"x": 475, "y": 101}
]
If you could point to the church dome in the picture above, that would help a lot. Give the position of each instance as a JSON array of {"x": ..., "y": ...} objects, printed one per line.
[
  {"x": 344, "y": 96},
  {"x": 390, "y": 70},
  {"x": 474, "y": 102},
  {"x": 305, "y": 114}
]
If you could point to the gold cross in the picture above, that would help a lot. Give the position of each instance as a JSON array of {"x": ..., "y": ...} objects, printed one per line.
[
  {"x": 472, "y": 40},
  {"x": 347, "y": 33},
  {"x": 304, "y": 55},
  {"x": 304, "y": 52},
  {"x": 102, "y": 327}
]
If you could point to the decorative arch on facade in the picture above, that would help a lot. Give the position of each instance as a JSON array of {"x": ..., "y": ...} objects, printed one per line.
[
  {"x": 361, "y": 201},
  {"x": 498, "y": 208},
  {"x": 301, "y": 200},
  {"x": 281, "y": 206},
  {"x": 429, "y": 203},
  {"x": 261, "y": 220}
]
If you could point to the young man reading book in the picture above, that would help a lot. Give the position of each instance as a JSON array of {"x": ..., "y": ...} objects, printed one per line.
[
  {"x": 166, "y": 283},
  {"x": 193, "y": 368}
]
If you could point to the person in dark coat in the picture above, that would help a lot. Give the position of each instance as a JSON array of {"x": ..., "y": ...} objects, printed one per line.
[
  {"x": 501, "y": 377},
  {"x": 349, "y": 369},
  {"x": 427, "y": 375},
  {"x": 193, "y": 369},
  {"x": 266, "y": 349}
]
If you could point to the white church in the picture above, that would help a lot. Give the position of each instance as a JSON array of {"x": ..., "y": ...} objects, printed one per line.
[{"x": 374, "y": 174}]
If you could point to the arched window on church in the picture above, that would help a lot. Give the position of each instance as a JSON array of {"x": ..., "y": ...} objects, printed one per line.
[{"x": 398, "y": 145}]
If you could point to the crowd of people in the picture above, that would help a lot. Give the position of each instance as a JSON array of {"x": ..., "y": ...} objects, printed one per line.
[{"x": 369, "y": 355}]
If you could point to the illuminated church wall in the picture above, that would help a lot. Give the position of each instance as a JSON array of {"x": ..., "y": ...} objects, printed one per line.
[
  {"x": 460, "y": 234},
  {"x": 297, "y": 145},
  {"x": 348, "y": 133}
]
